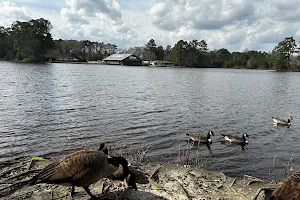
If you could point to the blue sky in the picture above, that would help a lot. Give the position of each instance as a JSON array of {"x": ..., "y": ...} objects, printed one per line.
[{"x": 233, "y": 24}]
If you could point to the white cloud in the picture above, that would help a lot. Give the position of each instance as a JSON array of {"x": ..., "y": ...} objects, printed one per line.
[
  {"x": 72, "y": 16},
  {"x": 10, "y": 13},
  {"x": 232, "y": 24},
  {"x": 202, "y": 15},
  {"x": 285, "y": 10},
  {"x": 97, "y": 20},
  {"x": 83, "y": 9}
]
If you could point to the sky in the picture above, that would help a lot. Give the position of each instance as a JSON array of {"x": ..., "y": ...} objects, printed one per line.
[{"x": 237, "y": 25}]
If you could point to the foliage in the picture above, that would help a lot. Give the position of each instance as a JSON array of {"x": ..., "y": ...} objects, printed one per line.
[
  {"x": 160, "y": 53},
  {"x": 82, "y": 50},
  {"x": 167, "y": 52},
  {"x": 32, "y": 39},
  {"x": 179, "y": 52},
  {"x": 151, "y": 47},
  {"x": 6, "y": 49},
  {"x": 280, "y": 57}
]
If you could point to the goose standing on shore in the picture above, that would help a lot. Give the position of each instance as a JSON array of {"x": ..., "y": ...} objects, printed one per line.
[
  {"x": 83, "y": 168},
  {"x": 281, "y": 122}
]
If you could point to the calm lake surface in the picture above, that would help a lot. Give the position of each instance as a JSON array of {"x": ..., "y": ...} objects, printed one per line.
[{"x": 54, "y": 109}]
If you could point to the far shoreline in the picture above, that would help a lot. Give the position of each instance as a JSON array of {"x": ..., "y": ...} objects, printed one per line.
[{"x": 174, "y": 66}]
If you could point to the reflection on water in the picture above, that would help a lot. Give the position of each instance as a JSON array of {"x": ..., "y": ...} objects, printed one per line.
[{"x": 57, "y": 108}]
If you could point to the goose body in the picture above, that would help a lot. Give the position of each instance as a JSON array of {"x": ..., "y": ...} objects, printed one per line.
[
  {"x": 81, "y": 168},
  {"x": 289, "y": 189},
  {"x": 236, "y": 139},
  {"x": 282, "y": 122},
  {"x": 201, "y": 138}
]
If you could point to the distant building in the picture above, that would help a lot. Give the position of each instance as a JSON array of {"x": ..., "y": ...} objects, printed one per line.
[
  {"x": 123, "y": 59},
  {"x": 160, "y": 63}
]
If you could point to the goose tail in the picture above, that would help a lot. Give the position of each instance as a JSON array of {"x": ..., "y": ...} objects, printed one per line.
[{"x": 188, "y": 134}]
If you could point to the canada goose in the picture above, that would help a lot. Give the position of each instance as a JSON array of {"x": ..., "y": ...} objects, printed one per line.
[
  {"x": 282, "y": 122},
  {"x": 289, "y": 189},
  {"x": 82, "y": 168},
  {"x": 236, "y": 139},
  {"x": 200, "y": 138}
]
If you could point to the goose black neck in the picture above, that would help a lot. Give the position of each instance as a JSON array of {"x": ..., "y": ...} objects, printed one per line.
[
  {"x": 116, "y": 161},
  {"x": 208, "y": 135}
]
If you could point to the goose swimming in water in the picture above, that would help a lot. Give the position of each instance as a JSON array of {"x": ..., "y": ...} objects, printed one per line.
[
  {"x": 281, "y": 122},
  {"x": 83, "y": 168},
  {"x": 233, "y": 139},
  {"x": 201, "y": 138}
]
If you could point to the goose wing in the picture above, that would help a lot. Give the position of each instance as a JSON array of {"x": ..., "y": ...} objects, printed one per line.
[
  {"x": 195, "y": 137},
  {"x": 278, "y": 120},
  {"x": 290, "y": 189},
  {"x": 232, "y": 138},
  {"x": 75, "y": 167}
]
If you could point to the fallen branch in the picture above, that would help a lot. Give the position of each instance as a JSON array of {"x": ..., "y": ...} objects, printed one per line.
[
  {"x": 185, "y": 191},
  {"x": 232, "y": 182},
  {"x": 11, "y": 169},
  {"x": 19, "y": 175},
  {"x": 14, "y": 186}
]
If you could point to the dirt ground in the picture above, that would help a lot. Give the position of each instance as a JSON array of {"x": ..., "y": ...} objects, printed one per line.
[{"x": 154, "y": 182}]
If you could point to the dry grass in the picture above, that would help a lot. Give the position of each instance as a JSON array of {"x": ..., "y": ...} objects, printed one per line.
[
  {"x": 190, "y": 156},
  {"x": 133, "y": 153},
  {"x": 276, "y": 174}
]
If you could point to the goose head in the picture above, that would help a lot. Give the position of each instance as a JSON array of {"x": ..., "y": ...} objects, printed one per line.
[
  {"x": 245, "y": 135},
  {"x": 127, "y": 174},
  {"x": 210, "y": 133}
]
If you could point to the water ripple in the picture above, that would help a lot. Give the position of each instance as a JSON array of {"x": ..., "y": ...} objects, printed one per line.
[{"x": 59, "y": 108}]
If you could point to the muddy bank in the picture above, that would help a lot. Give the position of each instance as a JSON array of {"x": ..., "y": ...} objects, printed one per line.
[{"x": 154, "y": 182}]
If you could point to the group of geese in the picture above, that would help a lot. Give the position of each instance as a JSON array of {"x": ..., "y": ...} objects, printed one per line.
[
  {"x": 289, "y": 190},
  {"x": 85, "y": 167},
  {"x": 232, "y": 139}
]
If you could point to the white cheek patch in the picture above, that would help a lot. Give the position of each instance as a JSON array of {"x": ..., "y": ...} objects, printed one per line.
[
  {"x": 209, "y": 140},
  {"x": 246, "y": 141}
]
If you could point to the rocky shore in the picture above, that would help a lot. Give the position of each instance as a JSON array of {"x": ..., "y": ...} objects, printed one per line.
[{"x": 154, "y": 182}]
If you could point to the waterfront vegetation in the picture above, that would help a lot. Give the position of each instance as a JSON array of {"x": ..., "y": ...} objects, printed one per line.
[{"x": 32, "y": 41}]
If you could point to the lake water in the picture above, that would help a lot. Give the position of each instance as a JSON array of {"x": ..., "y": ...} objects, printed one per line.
[{"x": 54, "y": 109}]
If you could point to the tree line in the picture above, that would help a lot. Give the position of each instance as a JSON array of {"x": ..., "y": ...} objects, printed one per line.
[
  {"x": 285, "y": 56},
  {"x": 32, "y": 41}
]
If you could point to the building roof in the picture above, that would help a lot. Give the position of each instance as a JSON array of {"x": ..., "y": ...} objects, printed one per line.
[{"x": 117, "y": 57}]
